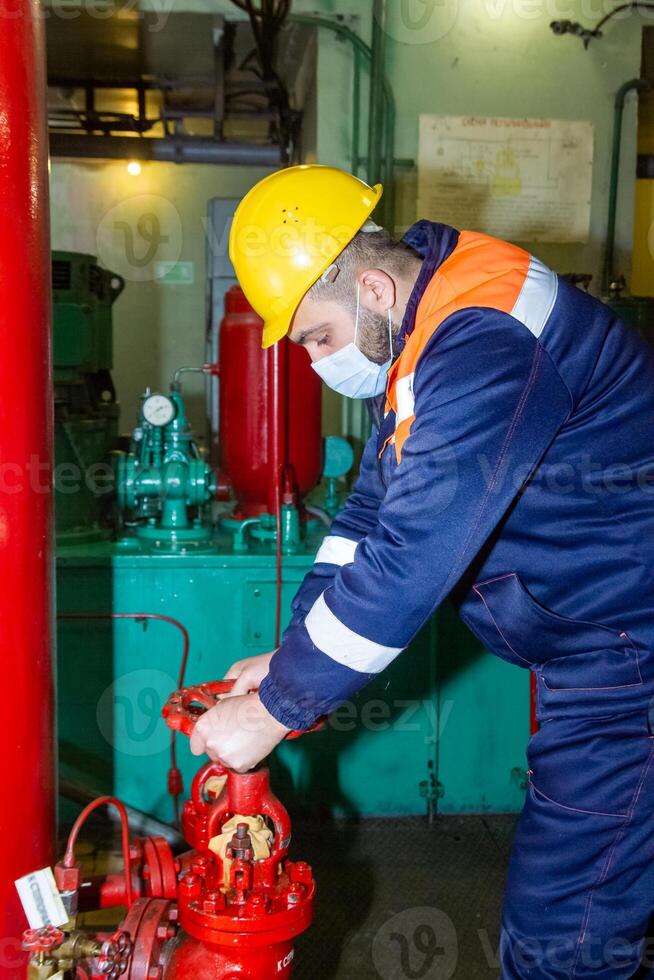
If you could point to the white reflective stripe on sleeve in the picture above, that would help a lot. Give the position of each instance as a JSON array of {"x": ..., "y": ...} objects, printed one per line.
[
  {"x": 340, "y": 643},
  {"x": 537, "y": 297},
  {"x": 336, "y": 550},
  {"x": 405, "y": 400}
]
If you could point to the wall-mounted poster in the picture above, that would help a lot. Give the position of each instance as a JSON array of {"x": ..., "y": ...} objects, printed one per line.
[{"x": 522, "y": 179}]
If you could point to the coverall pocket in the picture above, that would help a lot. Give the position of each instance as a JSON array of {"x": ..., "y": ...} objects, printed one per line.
[
  {"x": 602, "y": 670},
  {"x": 589, "y": 765},
  {"x": 567, "y": 654}
]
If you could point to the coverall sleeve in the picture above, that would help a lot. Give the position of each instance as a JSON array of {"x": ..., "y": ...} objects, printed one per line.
[
  {"x": 488, "y": 403},
  {"x": 357, "y": 518}
]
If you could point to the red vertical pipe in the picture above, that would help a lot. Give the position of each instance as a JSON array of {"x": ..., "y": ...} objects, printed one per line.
[
  {"x": 278, "y": 416},
  {"x": 27, "y": 771},
  {"x": 278, "y": 364},
  {"x": 533, "y": 698},
  {"x": 274, "y": 428}
]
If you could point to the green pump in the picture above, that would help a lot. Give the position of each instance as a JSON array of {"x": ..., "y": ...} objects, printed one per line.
[{"x": 163, "y": 483}]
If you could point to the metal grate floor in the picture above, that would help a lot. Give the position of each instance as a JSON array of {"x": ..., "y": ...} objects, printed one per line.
[{"x": 399, "y": 901}]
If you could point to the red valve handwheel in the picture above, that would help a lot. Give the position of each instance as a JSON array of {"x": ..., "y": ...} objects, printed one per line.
[
  {"x": 185, "y": 706},
  {"x": 42, "y": 940},
  {"x": 115, "y": 955}
]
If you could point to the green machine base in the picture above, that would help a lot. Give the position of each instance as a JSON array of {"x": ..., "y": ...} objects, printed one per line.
[{"x": 444, "y": 728}]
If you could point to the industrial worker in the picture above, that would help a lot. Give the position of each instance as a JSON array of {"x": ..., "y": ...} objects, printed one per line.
[{"x": 511, "y": 467}]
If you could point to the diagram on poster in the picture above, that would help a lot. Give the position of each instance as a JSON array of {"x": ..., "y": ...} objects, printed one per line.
[{"x": 525, "y": 180}]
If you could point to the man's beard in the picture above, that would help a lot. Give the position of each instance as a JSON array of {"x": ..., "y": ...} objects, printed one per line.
[{"x": 372, "y": 336}]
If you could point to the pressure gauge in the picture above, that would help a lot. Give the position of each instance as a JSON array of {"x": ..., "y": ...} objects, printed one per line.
[{"x": 158, "y": 410}]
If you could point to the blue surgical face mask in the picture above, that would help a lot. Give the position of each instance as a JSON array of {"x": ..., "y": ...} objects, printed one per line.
[{"x": 349, "y": 372}]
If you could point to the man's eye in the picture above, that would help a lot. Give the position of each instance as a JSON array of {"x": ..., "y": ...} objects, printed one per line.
[{"x": 323, "y": 341}]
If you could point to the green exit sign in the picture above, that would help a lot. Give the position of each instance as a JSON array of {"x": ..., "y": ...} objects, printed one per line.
[{"x": 174, "y": 273}]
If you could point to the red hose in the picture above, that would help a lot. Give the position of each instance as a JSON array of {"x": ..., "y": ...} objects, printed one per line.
[
  {"x": 69, "y": 856},
  {"x": 175, "y": 784}
]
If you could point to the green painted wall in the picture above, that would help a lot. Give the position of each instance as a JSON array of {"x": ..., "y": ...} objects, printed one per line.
[{"x": 444, "y": 702}]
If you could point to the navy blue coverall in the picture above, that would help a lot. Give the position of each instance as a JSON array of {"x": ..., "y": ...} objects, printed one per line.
[{"x": 525, "y": 490}]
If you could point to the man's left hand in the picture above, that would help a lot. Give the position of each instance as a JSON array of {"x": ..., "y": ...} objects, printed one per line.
[{"x": 239, "y": 732}]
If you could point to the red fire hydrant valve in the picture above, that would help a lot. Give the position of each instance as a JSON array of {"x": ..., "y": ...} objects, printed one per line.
[
  {"x": 239, "y": 910},
  {"x": 229, "y": 908}
]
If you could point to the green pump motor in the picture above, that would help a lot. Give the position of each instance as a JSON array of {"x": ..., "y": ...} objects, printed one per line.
[
  {"x": 163, "y": 482},
  {"x": 86, "y": 411}
]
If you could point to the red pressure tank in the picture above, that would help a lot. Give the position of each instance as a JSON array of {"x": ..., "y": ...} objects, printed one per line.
[{"x": 266, "y": 397}]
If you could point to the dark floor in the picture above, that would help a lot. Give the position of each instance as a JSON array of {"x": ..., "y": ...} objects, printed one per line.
[{"x": 396, "y": 899}]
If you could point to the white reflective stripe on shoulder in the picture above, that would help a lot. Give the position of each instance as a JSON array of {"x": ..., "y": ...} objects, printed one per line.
[
  {"x": 537, "y": 297},
  {"x": 340, "y": 643},
  {"x": 336, "y": 550},
  {"x": 405, "y": 400}
]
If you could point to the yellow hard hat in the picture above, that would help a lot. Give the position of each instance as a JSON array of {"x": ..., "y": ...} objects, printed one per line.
[{"x": 288, "y": 230}]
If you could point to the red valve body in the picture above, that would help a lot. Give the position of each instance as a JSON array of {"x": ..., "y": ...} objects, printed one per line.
[
  {"x": 192, "y": 959},
  {"x": 208, "y": 933}
]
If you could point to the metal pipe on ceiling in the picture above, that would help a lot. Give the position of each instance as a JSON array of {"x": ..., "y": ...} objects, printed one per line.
[{"x": 186, "y": 150}]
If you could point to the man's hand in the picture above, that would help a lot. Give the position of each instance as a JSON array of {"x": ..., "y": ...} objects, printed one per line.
[
  {"x": 239, "y": 732},
  {"x": 248, "y": 673}
]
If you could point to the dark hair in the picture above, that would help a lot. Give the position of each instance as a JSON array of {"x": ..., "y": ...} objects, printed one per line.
[{"x": 367, "y": 250}]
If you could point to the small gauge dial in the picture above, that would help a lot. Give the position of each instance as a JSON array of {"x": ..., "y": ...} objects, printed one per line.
[{"x": 158, "y": 410}]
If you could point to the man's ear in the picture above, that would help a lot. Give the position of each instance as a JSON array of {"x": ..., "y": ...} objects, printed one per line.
[{"x": 378, "y": 292}]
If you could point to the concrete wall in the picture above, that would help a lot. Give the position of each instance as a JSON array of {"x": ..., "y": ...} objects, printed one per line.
[{"x": 483, "y": 57}]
